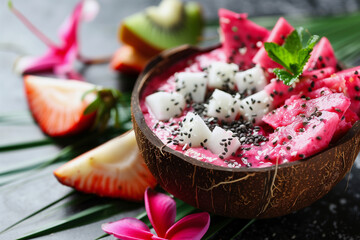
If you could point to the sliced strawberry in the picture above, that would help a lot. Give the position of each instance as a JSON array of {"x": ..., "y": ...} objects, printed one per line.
[
  {"x": 129, "y": 60},
  {"x": 57, "y": 105},
  {"x": 114, "y": 169}
]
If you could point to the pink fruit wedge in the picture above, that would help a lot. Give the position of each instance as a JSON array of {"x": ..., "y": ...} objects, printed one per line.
[
  {"x": 278, "y": 35},
  {"x": 241, "y": 37},
  {"x": 322, "y": 56},
  {"x": 113, "y": 169}
]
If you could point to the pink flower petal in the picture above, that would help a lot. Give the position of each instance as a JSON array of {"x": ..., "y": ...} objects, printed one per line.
[
  {"x": 161, "y": 210},
  {"x": 154, "y": 237},
  {"x": 128, "y": 229},
  {"x": 68, "y": 30},
  {"x": 45, "y": 63},
  {"x": 90, "y": 10},
  {"x": 191, "y": 227},
  {"x": 65, "y": 69},
  {"x": 60, "y": 59}
]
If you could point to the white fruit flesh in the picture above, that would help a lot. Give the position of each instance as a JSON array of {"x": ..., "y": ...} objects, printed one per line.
[
  {"x": 164, "y": 105},
  {"x": 60, "y": 94},
  {"x": 254, "y": 107},
  {"x": 223, "y": 106},
  {"x": 167, "y": 14},
  {"x": 192, "y": 85},
  {"x": 221, "y": 75},
  {"x": 193, "y": 131},
  {"x": 120, "y": 154},
  {"x": 222, "y": 142},
  {"x": 251, "y": 80}
]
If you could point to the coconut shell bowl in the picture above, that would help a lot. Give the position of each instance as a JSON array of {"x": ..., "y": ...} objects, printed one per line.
[{"x": 238, "y": 192}]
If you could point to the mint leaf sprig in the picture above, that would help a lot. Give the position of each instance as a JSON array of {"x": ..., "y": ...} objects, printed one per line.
[{"x": 292, "y": 55}]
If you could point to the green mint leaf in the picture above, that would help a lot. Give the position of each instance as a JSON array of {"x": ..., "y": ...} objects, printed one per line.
[
  {"x": 279, "y": 54},
  {"x": 305, "y": 53},
  {"x": 293, "y": 42},
  {"x": 300, "y": 31},
  {"x": 303, "y": 57},
  {"x": 285, "y": 76},
  {"x": 312, "y": 41},
  {"x": 294, "y": 68},
  {"x": 293, "y": 56}
]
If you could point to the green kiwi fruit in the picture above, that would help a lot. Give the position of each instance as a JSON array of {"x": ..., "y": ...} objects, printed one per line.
[{"x": 170, "y": 24}]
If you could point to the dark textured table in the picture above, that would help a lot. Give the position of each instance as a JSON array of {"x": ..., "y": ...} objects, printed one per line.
[{"x": 336, "y": 216}]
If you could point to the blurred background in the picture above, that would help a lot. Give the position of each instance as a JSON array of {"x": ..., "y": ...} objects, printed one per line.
[
  {"x": 337, "y": 216},
  {"x": 99, "y": 37}
]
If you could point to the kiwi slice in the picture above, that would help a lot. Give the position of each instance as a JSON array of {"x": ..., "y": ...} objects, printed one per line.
[{"x": 170, "y": 24}]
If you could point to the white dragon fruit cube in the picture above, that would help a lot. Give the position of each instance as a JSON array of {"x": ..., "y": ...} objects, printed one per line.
[
  {"x": 193, "y": 131},
  {"x": 223, "y": 106},
  {"x": 222, "y": 143},
  {"x": 165, "y": 105},
  {"x": 255, "y": 106},
  {"x": 221, "y": 75},
  {"x": 192, "y": 85},
  {"x": 251, "y": 80}
]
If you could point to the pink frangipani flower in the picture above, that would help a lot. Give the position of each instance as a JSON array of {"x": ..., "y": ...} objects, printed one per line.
[
  {"x": 161, "y": 210},
  {"x": 58, "y": 59}
]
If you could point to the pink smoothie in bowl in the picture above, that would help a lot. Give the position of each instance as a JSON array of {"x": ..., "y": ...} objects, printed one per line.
[
  {"x": 226, "y": 106},
  {"x": 259, "y": 142}
]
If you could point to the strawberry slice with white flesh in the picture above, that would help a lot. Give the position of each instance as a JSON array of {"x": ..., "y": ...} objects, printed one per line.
[
  {"x": 113, "y": 169},
  {"x": 57, "y": 105},
  {"x": 65, "y": 107}
]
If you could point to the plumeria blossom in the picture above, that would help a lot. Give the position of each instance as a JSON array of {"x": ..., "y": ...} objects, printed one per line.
[
  {"x": 161, "y": 210},
  {"x": 59, "y": 58}
]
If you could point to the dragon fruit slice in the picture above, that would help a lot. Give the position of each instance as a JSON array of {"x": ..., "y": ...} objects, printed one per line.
[
  {"x": 192, "y": 85},
  {"x": 296, "y": 106},
  {"x": 308, "y": 132},
  {"x": 193, "y": 131},
  {"x": 351, "y": 78},
  {"x": 310, "y": 81},
  {"x": 241, "y": 38},
  {"x": 222, "y": 143},
  {"x": 319, "y": 73},
  {"x": 346, "y": 81},
  {"x": 295, "y": 141},
  {"x": 165, "y": 105},
  {"x": 251, "y": 80},
  {"x": 278, "y": 35},
  {"x": 346, "y": 122},
  {"x": 223, "y": 106},
  {"x": 254, "y": 107},
  {"x": 301, "y": 138},
  {"x": 322, "y": 56},
  {"x": 221, "y": 75}
]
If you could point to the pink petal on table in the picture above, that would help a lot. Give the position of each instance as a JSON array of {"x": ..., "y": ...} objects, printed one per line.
[
  {"x": 161, "y": 210},
  {"x": 128, "y": 229},
  {"x": 44, "y": 63},
  {"x": 191, "y": 227}
]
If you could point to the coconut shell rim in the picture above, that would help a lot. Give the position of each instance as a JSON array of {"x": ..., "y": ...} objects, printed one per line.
[{"x": 151, "y": 136}]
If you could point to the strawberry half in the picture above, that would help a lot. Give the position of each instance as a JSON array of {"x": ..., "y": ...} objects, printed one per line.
[
  {"x": 57, "y": 105},
  {"x": 114, "y": 169}
]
